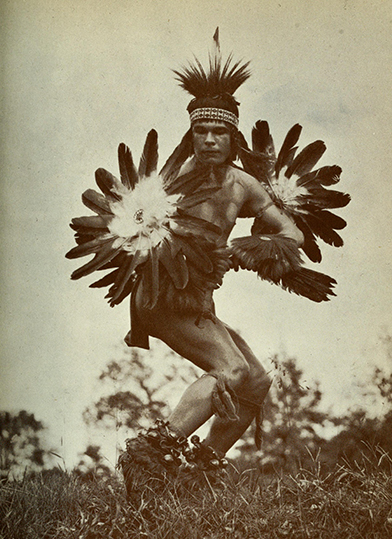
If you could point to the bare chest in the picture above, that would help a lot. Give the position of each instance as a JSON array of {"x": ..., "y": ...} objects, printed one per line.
[{"x": 223, "y": 207}]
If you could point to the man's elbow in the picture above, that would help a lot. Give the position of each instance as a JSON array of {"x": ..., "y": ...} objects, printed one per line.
[
  {"x": 295, "y": 234},
  {"x": 299, "y": 237}
]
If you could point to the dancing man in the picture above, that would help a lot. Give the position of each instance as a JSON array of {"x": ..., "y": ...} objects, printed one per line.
[{"x": 166, "y": 239}]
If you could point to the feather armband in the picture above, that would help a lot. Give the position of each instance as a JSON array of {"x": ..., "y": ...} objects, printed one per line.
[
  {"x": 277, "y": 259},
  {"x": 271, "y": 256}
]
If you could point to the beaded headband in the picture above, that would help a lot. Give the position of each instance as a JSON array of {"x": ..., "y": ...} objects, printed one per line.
[{"x": 210, "y": 113}]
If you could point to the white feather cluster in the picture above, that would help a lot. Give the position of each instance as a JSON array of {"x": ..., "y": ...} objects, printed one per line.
[
  {"x": 288, "y": 191},
  {"x": 143, "y": 214}
]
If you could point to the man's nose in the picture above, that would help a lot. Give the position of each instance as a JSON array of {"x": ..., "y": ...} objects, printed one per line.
[{"x": 210, "y": 139}]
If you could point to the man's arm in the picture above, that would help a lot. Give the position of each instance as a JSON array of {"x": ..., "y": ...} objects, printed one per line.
[{"x": 268, "y": 217}]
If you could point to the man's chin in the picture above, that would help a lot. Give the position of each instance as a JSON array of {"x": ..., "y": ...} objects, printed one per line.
[{"x": 211, "y": 159}]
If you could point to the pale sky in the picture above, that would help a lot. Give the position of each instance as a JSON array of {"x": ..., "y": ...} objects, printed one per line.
[{"x": 81, "y": 77}]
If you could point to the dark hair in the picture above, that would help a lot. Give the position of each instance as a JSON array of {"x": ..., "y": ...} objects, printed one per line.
[{"x": 224, "y": 102}]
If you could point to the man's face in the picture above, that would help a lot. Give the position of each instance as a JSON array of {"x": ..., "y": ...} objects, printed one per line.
[{"x": 211, "y": 141}]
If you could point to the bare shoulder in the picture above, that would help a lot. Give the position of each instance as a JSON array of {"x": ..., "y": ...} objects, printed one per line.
[
  {"x": 255, "y": 195},
  {"x": 251, "y": 186}
]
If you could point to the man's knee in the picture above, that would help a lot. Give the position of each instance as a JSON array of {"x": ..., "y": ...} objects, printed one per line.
[
  {"x": 259, "y": 382},
  {"x": 236, "y": 373}
]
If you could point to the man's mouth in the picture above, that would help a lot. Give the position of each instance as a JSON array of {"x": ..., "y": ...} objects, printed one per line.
[{"x": 210, "y": 153}]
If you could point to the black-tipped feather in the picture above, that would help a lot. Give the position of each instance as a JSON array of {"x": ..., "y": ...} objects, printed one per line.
[
  {"x": 149, "y": 159},
  {"x": 197, "y": 198},
  {"x": 323, "y": 230},
  {"x": 106, "y": 253},
  {"x": 116, "y": 262},
  {"x": 309, "y": 247},
  {"x": 125, "y": 276},
  {"x": 186, "y": 184},
  {"x": 306, "y": 159},
  {"x": 310, "y": 284},
  {"x": 86, "y": 237},
  {"x": 326, "y": 198},
  {"x": 154, "y": 292},
  {"x": 330, "y": 219},
  {"x": 105, "y": 281},
  {"x": 90, "y": 247},
  {"x": 109, "y": 184},
  {"x": 128, "y": 288},
  {"x": 328, "y": 175},
  {"x": 89, "y": 221},
  {"x": 261, "y": 161},
  {"x": 286, "y": 153},
  {"x": 96, "y": 202},
  {"x": 175, "y": 265},
  {"x": 194, "y": 227},
  {"x": 262, "y": 141},
  {"x": 128, "y": 172},
  {"x": 196, "y": 256},
  {"x": 181, "y": 153}
]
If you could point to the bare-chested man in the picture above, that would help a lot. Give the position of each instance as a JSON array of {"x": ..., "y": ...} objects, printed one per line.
[
  {"x": 213, "y": 346},
  {"x": 169, "y": 245}
]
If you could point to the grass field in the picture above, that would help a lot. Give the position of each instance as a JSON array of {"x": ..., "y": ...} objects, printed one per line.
[{"x": 351, "y": 502}]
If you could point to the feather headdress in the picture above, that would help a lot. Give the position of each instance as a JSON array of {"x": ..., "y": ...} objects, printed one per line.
[{"x": 213, "y": 88}]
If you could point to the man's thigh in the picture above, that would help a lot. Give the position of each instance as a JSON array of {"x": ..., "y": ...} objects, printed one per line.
[
  {"x": 208, "y": 345},
  {"x": 256, "y": 367}
]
